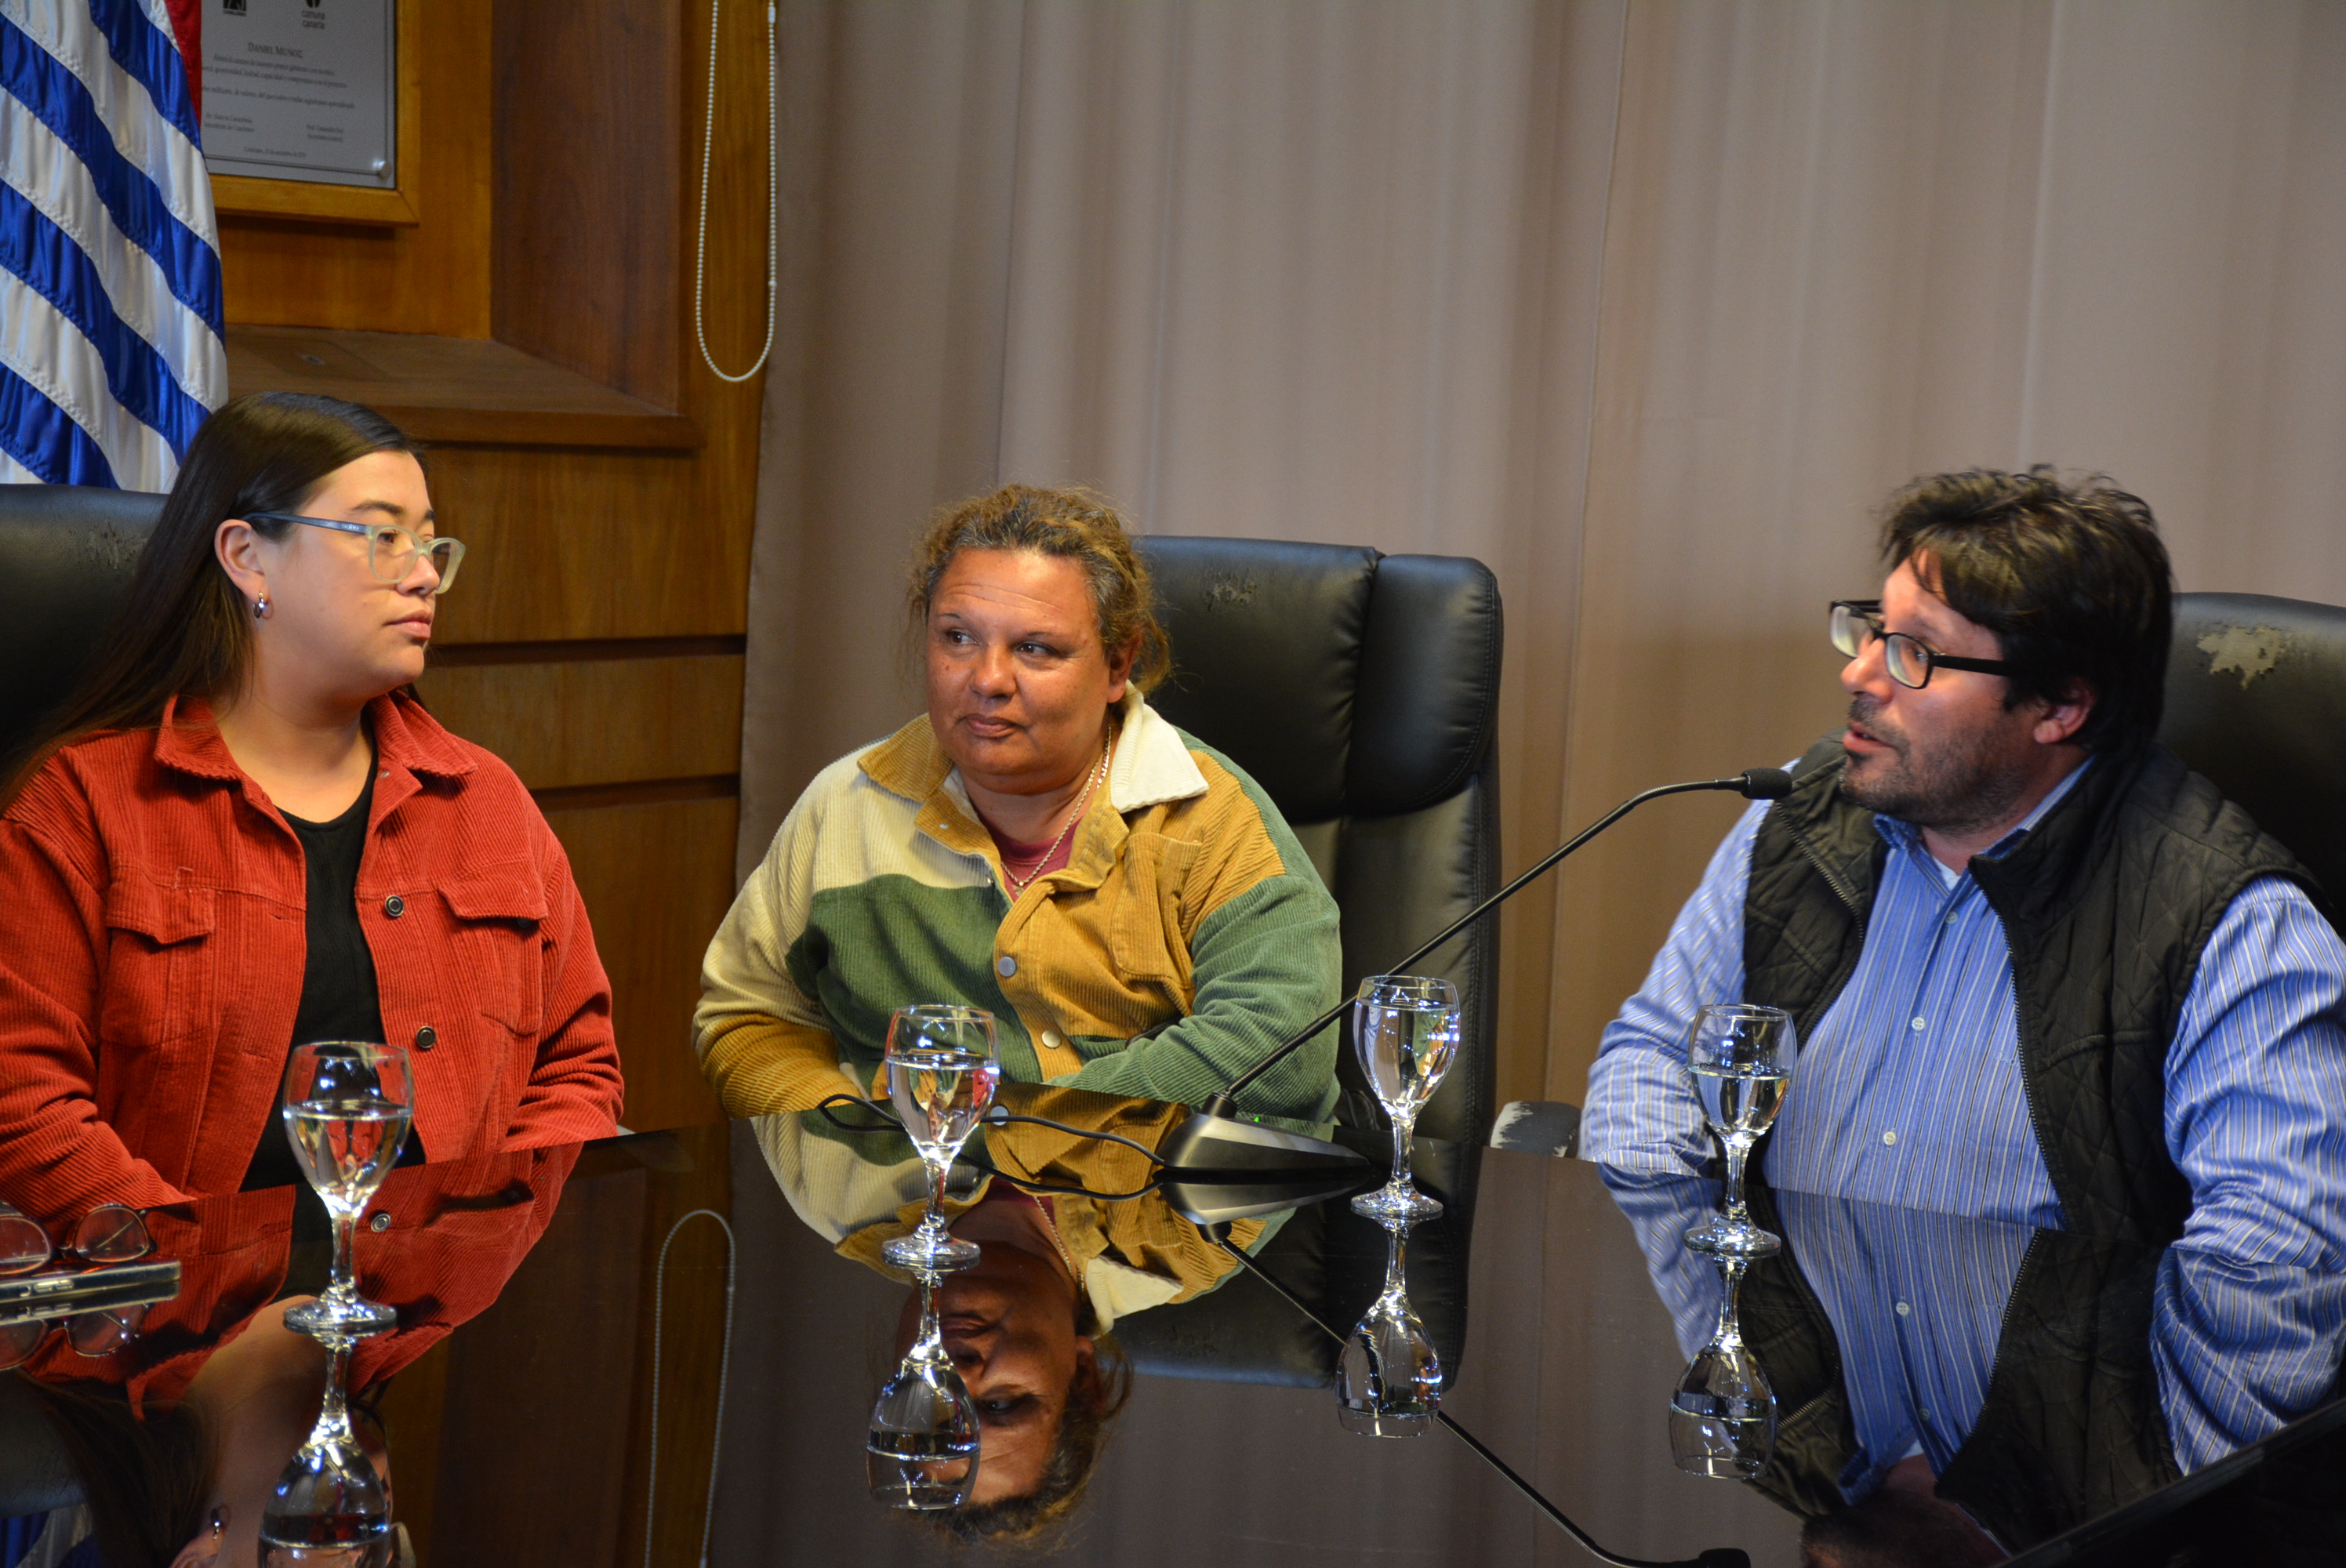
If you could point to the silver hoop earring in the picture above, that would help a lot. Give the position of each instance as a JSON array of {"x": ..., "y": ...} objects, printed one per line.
[
  {"x": 219, "y": 1522},
  {"x": 260, "y": 608}
]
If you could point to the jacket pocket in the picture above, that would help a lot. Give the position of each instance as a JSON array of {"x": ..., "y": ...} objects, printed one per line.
[
  {"x": 497, "y": 916},
  {"x": 158, "y": 982},
  {"x": 1145, "y": 932}
]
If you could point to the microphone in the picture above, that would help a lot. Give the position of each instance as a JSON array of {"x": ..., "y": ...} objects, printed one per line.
[{"x": 1214, "y": 1140}]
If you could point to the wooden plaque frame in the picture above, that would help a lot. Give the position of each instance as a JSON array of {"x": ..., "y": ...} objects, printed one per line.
[{"x": 241, "y": 196}]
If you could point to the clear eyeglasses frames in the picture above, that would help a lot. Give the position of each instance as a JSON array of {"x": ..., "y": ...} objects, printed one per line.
[{"x": 391, "y": 549}]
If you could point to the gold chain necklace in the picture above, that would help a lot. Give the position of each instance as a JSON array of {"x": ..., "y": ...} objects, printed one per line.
[{"x": 1099, "y": 772}]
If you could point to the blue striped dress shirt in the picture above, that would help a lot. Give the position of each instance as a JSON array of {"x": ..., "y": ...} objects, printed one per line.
[{"x": 1908, "y": 1091}]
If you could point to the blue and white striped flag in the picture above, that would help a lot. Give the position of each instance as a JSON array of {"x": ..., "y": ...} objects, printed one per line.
[{"x": 110, "y": 349}]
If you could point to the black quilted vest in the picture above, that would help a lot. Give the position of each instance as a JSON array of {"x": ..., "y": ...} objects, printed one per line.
[{"x": 2106, "y": 905}]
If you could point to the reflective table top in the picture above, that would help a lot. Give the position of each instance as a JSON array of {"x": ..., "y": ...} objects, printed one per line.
[{"x": 576, "y": 1341}]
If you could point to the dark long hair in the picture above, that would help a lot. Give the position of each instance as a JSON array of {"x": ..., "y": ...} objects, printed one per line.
[
  {"x": 184, "y": 629},
  {"x": 146, "y": 1482}
]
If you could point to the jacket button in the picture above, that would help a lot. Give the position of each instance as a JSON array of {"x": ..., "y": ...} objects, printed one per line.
[
  {"x": 394, "y": 906},
  {"x": 380, "y": 1223},
  {"x": 1006, "y": 966},
  {"x": 426, "y": 1038}
]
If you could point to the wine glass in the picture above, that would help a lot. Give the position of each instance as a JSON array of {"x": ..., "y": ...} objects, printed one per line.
[
  {"x": 1740, "y": 1056},
  {"x": 921, "y": 1453},
  {"x": 941, "y": 1073},
  {"x": 1405, "y": 1029},
  {"x": 1723, "y": 1414},
  {"x": 347, "y": 1105},
  {"x": 330, "y": 1506},
  {"x": 1389, "y": 1378}
]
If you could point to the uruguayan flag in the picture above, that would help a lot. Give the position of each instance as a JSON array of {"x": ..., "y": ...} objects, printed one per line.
[{"x": 110, "y": 351}]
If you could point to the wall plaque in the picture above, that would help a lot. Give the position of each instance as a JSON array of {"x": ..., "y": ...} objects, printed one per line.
[{"x": 304, "y": 90}]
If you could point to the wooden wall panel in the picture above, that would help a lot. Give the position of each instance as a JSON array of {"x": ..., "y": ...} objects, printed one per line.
[
  {"x": 657, "y": 877},
  {"x": 431, "y": 276},
  {"x": 569, "y": 544},
  {"x": 598, "y": 721},
  {"x": 590, "y": 207}
]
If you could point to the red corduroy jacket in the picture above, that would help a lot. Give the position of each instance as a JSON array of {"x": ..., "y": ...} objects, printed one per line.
[{"x": 152, "y": 943}]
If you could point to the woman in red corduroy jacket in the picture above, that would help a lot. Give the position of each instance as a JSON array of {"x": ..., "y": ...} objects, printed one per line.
[{"x": 243, "y": 831}]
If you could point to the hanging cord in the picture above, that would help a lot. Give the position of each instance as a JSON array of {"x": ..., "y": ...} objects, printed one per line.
[
  {"x": 724, "y": 1365},
  {"x": 773, "y": 198}
]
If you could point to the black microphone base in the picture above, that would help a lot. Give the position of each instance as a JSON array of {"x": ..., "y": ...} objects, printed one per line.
[
  {"x": 1218, "y": 1200},
  {"x": 1210, "y": 1147}
]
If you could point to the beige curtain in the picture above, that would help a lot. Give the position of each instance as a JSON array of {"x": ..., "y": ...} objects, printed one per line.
[{"x": 1646, "y": 305}]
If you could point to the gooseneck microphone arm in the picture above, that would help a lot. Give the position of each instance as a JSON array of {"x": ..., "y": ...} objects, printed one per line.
[{"x": 1752, "y": 783}]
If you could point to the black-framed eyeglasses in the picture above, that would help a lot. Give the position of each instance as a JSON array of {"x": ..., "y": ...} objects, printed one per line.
[
  {"x": 391, "y": 549},
  {"x": 1857, "y": 622}
]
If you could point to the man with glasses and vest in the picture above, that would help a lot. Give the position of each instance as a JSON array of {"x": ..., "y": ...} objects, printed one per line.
[{"x": 2041, "y": 971}]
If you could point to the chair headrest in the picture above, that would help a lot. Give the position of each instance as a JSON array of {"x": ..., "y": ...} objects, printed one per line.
[
  {"x": 2256, "y": 701},
  {"x": 1346, "y": 682},
  {"x": 66, "y": 555}
]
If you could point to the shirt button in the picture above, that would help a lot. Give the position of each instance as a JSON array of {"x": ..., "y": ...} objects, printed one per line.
[
  {"x": 1890, "y": 1138},
  {"x": 380, "y": 1223},
  {"x": 1902, "y": 1309},
  {"x": 1917, "y": 1023},
  {"x": 1951, "y": 919},
  {"x": 1006, "y": 966},
  {"x": 1054, "y": 1039},
  {"x": 426, "y": 1038},
  {"x": 394, "y": 906}
]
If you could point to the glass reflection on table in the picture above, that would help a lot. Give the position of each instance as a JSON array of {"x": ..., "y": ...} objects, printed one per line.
[
  {"x": 1028, "y": 1324},
  {"x": 198, "y": 1419},
  {"x": 1093, "y": 1253},
  {"x": 1991, "y": 1386}
]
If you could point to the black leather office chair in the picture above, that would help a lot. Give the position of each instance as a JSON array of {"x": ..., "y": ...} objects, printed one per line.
[
  {"x": 65, "y": 558},
  {"x": 2256, "y": 701},
  {"x": 1361, "y": 692}
]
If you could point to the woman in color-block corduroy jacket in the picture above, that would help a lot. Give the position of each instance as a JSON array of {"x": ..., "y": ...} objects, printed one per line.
[{"x": 1127, "y": 903}]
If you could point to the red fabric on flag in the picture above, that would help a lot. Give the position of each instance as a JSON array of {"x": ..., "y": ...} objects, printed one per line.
[{"x": 187, "y": 28}]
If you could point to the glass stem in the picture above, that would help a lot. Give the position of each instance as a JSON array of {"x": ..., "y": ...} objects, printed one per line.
[
  {"x": 339, "y": 1280},
  {"x": 928, "y": 1349},
  {"x": 1396, "y": 1271},
  {"x": 1729, "y": 1332},
  {"x": 1402, "y": 1128},
  {"x": 938, "y": 1171},
  {"x": 333, "y": 1414},
  {"x": 1737, "y": 1149}
]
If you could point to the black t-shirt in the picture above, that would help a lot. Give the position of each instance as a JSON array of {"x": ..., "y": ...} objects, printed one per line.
[{"x": 340, "y": 1000}]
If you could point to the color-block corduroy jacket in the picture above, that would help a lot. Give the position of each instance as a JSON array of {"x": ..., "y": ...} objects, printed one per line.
[{"x": 1187, "y": 936}]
